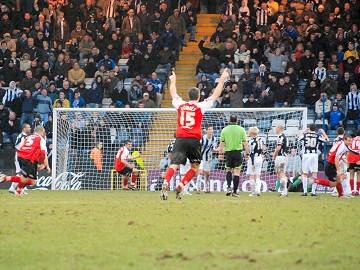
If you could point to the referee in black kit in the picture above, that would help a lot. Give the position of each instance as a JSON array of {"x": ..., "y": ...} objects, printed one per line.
[{"x": 232, "y": 141}]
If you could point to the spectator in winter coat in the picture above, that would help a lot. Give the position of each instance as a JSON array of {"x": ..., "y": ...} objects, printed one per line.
[
  {"x": 27, "y": 108},
  {"x": 323, "y": 105},
  {"x": 63, "y": 100},
  {"x": 335, "y": 117},
  {"x": 312, "y": 93},
  {"x": 79, "y": 101},
  {"x": 94, "y": 95},
  {"x": 11, "y": 127},
  {"x": 76, "y": 75},
  {"x": 208, "y": 66},
  {"x": 276, "y": 60},
  {"x": 43, "y": 105}
]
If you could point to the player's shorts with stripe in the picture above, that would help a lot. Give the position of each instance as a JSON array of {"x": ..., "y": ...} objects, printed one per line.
[
  {"x": 28, "y": 168},
  {"x": 354, "y": 167},
  {"x": 330, "y": 172},
  {"x": 280, "y": 164},
  {"x": 126, "y": 171},
  {"x": 233, "y": 159},
  {"x": 205, "y": 165},
  {"x": 186, "y": 148},
  {"x": 254, "y": 169},
  {"x": 309, "y": 163}
]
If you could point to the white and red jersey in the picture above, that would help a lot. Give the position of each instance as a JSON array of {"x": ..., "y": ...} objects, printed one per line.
[
  {"x": 355, "y": 147},
  {"x": 32, "y": 148},
  {"x": 338, "y": 150},
  {"x": 189, "y": 117},
  {"x": 122, "y": 154}
]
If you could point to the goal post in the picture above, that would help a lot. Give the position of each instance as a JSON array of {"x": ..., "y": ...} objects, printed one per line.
[{"x": 86, "y": 140}]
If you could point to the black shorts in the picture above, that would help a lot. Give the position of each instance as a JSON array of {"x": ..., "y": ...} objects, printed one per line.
[
  {"x": 186, "y": 148},
  {"x": 330, "y": 172},
  {"x": 28, "y": 169},
  {"x": 354, "y": 167},
  {"x": 126, "y": 171},
  {"x": 233, "y": 159}
]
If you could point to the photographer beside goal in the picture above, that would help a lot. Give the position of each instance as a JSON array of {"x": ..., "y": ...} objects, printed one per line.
[
  {"x": 32, "y": 156},
  {"x": 188, "y": 132}
]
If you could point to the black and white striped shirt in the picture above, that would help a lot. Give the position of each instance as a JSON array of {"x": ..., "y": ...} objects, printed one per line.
[
  {"x": 352, "y": 101},
  {"x": 261, "y": 17},
  {"x": 19, "y": 139},
  {"x": 282, "y": 141},
  {"x": 311, "y": 142},
  {"x": 170, "y": 147},
  {"x": 207, "y": 147},
  {"x": 256, "y": 145}
]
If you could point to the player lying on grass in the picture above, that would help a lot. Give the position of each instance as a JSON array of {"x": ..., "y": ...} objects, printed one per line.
[
  {"x": 124, "y": 167},
  {"x": 333, "y": 170},
  {"x": 254, "y": 163},
  {"x": 188, "y": 131},
  {"x": 32, "y": 156},
  {"x": 311, "y": 141}
]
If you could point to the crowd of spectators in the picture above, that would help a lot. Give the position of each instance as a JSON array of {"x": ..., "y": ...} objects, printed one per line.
[
  {"x": 287, "y": 53},
  {"x": 86, "y": 53}
]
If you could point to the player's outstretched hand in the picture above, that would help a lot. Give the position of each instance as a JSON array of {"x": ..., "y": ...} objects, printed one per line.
[
  {"x": 226, "y": 73},
  {"x": 172, "y": 77}
]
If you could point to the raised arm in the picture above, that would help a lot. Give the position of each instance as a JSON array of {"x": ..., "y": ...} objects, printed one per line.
[
  {"x": 172, "y": 79},
  {"x": 219, "y": 88}
]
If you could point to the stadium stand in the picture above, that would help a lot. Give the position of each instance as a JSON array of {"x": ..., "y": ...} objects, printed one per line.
[{"x": 92, "y": 54}]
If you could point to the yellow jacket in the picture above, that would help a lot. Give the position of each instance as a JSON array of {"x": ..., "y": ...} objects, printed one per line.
[{"x": 76, "y": 76}]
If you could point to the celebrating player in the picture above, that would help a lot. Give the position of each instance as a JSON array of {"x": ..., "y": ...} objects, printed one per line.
[
  {"x": 32, "y": 156},
  {"x": 333, "y": 169},
  {"x": 208, "y": 145},
  {"x": 311, "y": 141},
  {"x": 354, "y": 165},
  {"x": 280, "y": 158},
  {"x": 124, "y": 167},
  {"x": 26, "y": 130},
  {"x": 188, "y": 131},
  {"x": 254, "y": 164}
]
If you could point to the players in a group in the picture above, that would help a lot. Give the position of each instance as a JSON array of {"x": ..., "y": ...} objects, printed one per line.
[
  {"x": 311, "y": 141},
  {"x": 280, "y": 159},
  {"x": 124, "y": 167},
  {"x": 254, "y": 163},
  {"x": 32, "y": 156},
  {"x": 25, "y": 131},
  {"x": 333, "y": 169},
  {"x": 354, "y": 165},
  {"x": 188, "y": 131},
  {"x": 209, "y": 144}
]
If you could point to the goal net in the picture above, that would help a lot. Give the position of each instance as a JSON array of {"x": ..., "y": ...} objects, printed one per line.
[{"x": 86, "y": 141}]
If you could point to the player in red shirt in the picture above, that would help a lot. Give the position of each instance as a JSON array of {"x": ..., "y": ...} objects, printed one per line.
[
  {"x": 123, "y": 167},
  {"x": 32, "y": 156},
  {"x": 333, "y": 169},
  {"x": 188, "y": 131},
  {"x": 354, "y": 165}
]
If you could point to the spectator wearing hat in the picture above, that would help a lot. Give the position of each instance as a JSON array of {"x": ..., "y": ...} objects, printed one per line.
[{"x": 148, "y": 103}]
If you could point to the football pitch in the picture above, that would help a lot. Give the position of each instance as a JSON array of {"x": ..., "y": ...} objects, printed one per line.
[{"x": 135, "y": 230}]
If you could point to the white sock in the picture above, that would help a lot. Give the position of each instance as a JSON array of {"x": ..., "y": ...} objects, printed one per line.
[
  {"x": 13, "y": 186},
  {"x": 313, "y": 188},
  {"x": 284, "y": 190},
  {"x": 252, "y": 186},
  {"x": 198, "y": 182},
  {"x": 304, "y": 183},
  {"x": 257, "y": 186},
  {"x": 346, "y": 187}
]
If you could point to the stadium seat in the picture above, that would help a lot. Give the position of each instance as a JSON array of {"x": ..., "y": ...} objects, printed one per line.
[
  {"x": 264, "y": 124},
  {"x": 291, "y": 131},
  {"x": 249, "y": 122},
  {"x": 88, "y": 82}
]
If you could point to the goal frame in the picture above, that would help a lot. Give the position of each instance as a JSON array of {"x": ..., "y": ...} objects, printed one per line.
[{"x": 120, "y": 110}]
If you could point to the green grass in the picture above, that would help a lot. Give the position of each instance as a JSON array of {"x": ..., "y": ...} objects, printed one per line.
[{"x": 133, "y": 230}]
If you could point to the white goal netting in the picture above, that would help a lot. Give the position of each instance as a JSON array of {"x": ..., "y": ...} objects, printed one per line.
[{"x": 79, "y": 132}]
